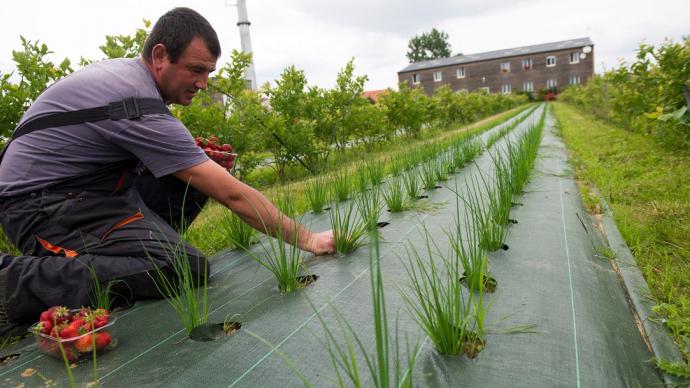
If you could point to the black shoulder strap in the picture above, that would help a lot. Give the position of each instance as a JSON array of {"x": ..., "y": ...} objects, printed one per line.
[{"x": 130, "y": 108}]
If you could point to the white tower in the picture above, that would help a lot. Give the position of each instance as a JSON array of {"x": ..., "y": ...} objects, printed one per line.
[{"x": 243, "y": 24}]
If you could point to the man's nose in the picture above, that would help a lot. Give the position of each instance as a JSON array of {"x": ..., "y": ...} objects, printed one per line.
[{"x": 201, "y": 83}]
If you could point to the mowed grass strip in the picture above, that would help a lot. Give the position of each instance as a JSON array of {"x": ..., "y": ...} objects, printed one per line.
[{"x": 648, "y": 188}]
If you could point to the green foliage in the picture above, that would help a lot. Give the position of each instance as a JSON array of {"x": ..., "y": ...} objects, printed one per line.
[
  {"x": 431, "y": 45},
  {"x": 126, "y": 46},
  {"x": 648, "y": 189},
  {"x": 406, "y": 109},
  {"x": 649, "y": 96},
  {"x": 35, "y": 73},
  {"x": 293, "y": 137}
]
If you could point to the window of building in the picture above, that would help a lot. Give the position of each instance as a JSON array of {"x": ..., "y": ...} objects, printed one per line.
[
  {"x": 528, "y": 86},
  {"x": 486, "y": 89},
  {"x": 505, "y": 67},
  {"x": 505, "y": 89},
  {"x": 550, "y": 83},
  {"x": 460, "y": 72},
  {"x": 550, "y": 61},
  {"x": 437, "y": 76},
  {"x": 575, "y": 57},
  {"x": 575, "y": 80},
  {"x": 415, "y": 78},
  {"x": 527, "y": 64}
]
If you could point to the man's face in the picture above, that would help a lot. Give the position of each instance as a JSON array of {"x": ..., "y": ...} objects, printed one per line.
[{"x": 180, "y": 81}]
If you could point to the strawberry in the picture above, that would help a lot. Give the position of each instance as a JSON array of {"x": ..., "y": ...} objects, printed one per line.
[
  {"x": 56, "y": 314},
  {"x": 225, "y": 148},
  {"x": 55, "y": 331},
  {"x": 83, "y": 312},
  {"x": 44, "y": 327},
  {"x": 101, "y": 317},
  {"x": 103, "y": 339},
  {"x": 84, "y": 344},
  {"x": 69, "y": 332}
]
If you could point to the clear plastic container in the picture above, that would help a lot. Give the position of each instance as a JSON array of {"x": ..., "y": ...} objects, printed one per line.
[
  {"x": 223, "y": 158},
  {"x": 79, "y": 347}
]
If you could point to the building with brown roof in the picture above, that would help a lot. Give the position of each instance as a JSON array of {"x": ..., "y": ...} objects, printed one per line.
[{"x": 530, "y": 68}]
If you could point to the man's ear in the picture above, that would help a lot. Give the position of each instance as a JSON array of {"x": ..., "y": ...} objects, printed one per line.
[{"x": 159, "y": 55}]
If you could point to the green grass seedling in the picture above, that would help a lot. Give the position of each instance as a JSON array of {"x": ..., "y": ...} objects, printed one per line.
[
  {"x": 282, "y": 258},
  {"x": 375, "y": 172},
  {"x": 386, "y": 367},
  {"x": 468, "y": 152},
  {"x": 412, "y": 184},
  {"x": 341, "y": 185},
  {"x": 349, "y": 231},
  {"x": 362, "y": 178},
  {"x": 435, "y": 298},
  {"x": 394, "y": 195},
  {"x": 464, "y": 243},
  {"x": 179, "y": 284},
  {"x": 429, "y": 175},
  {"x": 439, "y": 170},
  {"x": 482, "y": 208},
  {"x": 369, "y": 207},
  {"x": 501, "y": 194},
  {"x": 316, "y": 191},
  {"x": 239, "y": 232}
]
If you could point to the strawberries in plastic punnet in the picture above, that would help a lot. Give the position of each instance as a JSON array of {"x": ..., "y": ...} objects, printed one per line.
[{"x": 219, "y": 153}]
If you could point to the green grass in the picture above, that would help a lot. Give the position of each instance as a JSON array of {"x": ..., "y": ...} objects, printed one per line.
[
  {"x": 316, "y": 191},
  {"x": 240, "y": 233},
  {"x": 349, "y": 231},
  {"x": 369, "y": 207},
  {"x": 648, "y": 189},
  {"x": 434, "y": 297},
  {"x": 282, "y": 258},
  {"x": 394, "y": 195}
]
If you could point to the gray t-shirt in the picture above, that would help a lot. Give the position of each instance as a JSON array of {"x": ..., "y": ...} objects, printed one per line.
[{"x": 43, "y": 157}]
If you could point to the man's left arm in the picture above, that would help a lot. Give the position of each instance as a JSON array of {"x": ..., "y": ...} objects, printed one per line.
[{"x": 253, "y": 207}]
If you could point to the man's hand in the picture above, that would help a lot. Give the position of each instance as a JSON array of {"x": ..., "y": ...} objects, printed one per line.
[{"x": 322, "y": 243}]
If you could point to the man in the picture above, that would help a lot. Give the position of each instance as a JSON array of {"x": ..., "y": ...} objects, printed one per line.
[{"x": 71, "y": 202}]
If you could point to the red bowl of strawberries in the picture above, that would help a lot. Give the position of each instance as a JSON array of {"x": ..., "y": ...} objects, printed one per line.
[
  {"x": 74, "y": 334},
  {"x": 220, "y": 153}
]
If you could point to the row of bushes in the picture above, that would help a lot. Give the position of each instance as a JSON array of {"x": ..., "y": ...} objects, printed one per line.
[
  {"x": 651, "y": 95},
  {"x": 286, "y": 122}
]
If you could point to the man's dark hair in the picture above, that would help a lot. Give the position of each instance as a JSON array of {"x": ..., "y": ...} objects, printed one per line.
[{"x": 176, "y": 29}]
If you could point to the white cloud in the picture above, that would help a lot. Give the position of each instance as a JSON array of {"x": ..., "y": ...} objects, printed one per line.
[{"x": 319, "y": 37}]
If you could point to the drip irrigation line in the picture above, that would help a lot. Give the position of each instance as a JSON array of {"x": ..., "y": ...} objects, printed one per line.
[
  {"x": 258, "y": 119},
  {"x": 570, "y": 281}
]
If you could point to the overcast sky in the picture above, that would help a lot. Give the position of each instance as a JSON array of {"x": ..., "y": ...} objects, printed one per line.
[{"x": 320, "y": 36}]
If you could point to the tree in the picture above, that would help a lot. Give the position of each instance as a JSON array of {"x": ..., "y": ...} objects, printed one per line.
[
  {"x": 430, "y": 45},
  {"x": 35, "y": 74}
]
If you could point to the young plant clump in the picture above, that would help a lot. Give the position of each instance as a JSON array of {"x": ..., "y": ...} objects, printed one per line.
[
  {"x": 180, "y": 288},
  {"x": 412, "y": 185},
  {"x": 394, "y": 196},
  {"x": 429, "y": 175},
  {"x": 342, "y": 186},
  {"x": 317, "y": 194},
  {"x": 492, "y": 234},
  {"x": 454, "y": 322},
  {"x": 369, "y": 207},
  {"x": 349, "y": 232},
  {"x": 466, "y": 251},
  {"x": 240, "y": 233}
]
